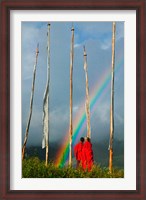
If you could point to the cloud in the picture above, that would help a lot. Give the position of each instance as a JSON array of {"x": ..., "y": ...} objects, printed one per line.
[
  {"x": 106, "y": 44},
  {"x": 77, "y": 45},
  {"x": 75, "y": 108},
  {"x": 106, "y": 39},
  {"x": 59, "y": 116},
  {"x": 30, "y": 38},
  {"x": 93, "y": 35},
  {"x": 103, "y": 112}
]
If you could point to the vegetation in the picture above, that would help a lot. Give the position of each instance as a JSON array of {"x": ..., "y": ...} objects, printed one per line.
[{"x": 34, "y": 168}]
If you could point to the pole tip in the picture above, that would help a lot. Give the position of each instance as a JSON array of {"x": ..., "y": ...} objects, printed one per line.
[
  {"x": 48, "y": 24},
  {"x": 114, "y": 23},
  {"x": 84, "y": 51},
  {"x": 37, "y": 49},
  {"x": 72, "y": 29}
]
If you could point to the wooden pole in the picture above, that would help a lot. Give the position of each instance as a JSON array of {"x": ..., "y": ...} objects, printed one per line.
[
  {"x": 31, "y": 104},
  {"x": 48, "y": 64},
  {"x": 112, "y": 100},
  {"x": 71, "y": 89},
  {"x": 87, "y": 104}
]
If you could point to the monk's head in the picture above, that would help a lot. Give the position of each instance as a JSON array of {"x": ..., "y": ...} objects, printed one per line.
[
  {"x": 82, "y": 139},
  {"x": 87, "y": 139}
]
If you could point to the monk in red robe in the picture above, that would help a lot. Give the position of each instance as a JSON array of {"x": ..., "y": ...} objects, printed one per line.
[
  {"x": 87, "y": 158},
  {"x": 78, "y": 152}
]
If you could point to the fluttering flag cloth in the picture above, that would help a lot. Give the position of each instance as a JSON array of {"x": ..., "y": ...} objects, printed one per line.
[{"x": 45, "y": 139}]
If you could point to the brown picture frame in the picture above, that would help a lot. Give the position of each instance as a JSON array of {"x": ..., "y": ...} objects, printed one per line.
[{"x": 5, "y": 8}]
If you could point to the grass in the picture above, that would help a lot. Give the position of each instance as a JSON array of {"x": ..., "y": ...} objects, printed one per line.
[{"x": 34, "y": 168}]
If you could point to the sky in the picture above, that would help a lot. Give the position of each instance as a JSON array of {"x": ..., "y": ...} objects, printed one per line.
[{"x": 97, "y": 38}]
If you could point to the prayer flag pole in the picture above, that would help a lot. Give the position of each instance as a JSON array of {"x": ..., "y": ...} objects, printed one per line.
[
  {"x": 112, "y": 100},
  {"x": 87, "y": 104},
  {"x": 71, "y": 91},
  {"x": 31, "y": 104}
]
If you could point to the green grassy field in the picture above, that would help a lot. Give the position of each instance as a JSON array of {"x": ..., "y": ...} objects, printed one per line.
[{"x": 34, "y": 168}]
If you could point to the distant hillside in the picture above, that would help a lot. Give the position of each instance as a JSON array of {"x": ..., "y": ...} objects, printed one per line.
[{"x": 101, "y": 153}]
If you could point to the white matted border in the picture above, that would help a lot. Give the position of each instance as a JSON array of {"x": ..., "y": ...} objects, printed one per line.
[{"x": 129, "y": 180}]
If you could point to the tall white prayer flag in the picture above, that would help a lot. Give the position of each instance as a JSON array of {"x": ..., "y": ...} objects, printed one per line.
[{"x": 45, "y": 140}]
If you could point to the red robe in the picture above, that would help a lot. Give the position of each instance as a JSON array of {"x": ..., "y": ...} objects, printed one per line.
[
  {"x": 78, "y": 153},
  {"x": 87, "y": 156}
]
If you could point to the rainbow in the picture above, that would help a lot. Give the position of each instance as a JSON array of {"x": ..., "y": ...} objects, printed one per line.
[{"x": 79, "y": 123}]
